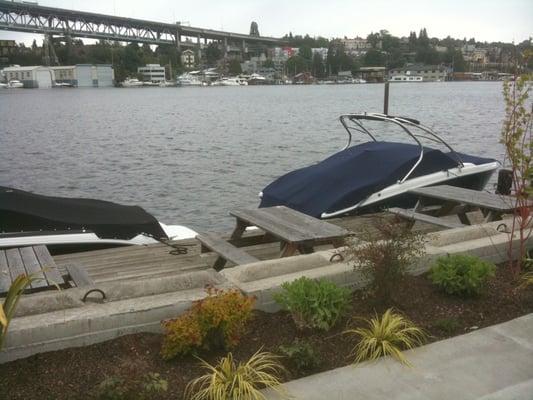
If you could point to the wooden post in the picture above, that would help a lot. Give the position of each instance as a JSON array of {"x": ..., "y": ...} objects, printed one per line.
[{"x": 386, "y": 99}]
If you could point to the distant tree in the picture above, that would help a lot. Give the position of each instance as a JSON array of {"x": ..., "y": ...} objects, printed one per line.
[
  {"x": 395, "y": 59},
  {"x": 305, "y": 52},
  {"x": 373, "y": 39},
  {"x": 374, "y": 58},
  {"x": 297, "y": 64},
  {"x": 412, "y": 41},
  {"x": 427, "y": 55},
  {"x": 131, "y": 58},
  {"x": 234, "y": 67},
  {"x": 269, "y": 63},
  {"x": 213, "y": 53},
  {"x": 318, "y": 69}
]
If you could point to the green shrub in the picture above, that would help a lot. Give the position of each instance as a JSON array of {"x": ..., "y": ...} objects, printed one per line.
[
  {"x": 314, "y": 304},
  {"x": 112, "y": 388},
  {"x": 447, "y": 325},
  {"x": 301, "y": 355},
  {"x": 151, "y": 386},
  {"x": 216, "y": 321},
  {"x": 383, "y": 253},
  {"x": 461, "y": 274}
]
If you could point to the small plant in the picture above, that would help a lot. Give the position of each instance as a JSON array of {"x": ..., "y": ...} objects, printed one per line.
[
  {"x": 388, "y": 335},
  {"x": 238, "y": 381},
  {"x": 461, "y": 274},
  {"x": 517, "y": 139},
  {"x": 314, "y": 304},
  {"x": 383, "y": 254},
  {"x": 217, "y": 321},
  {"x": 447, "y": 325},
  {"x": 301, "y": 355},
  {"x": 153, "y": 384},
  {"x": 112, "y": 388},
  {"x": 7, "y": 309},
  {"x": 116, "y": 388},
  {"x": 527, "y": 280}
]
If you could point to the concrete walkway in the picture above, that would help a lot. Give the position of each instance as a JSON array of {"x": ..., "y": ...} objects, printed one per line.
[{"x": 494, "y": 363}]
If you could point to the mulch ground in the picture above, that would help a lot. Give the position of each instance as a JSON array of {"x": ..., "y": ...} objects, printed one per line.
[{"x": 75, "y": 373}]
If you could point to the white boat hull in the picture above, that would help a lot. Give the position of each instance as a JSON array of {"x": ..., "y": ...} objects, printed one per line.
[
  {"x": 483, "y": 171},
  {"x": 87, "y": 240}
]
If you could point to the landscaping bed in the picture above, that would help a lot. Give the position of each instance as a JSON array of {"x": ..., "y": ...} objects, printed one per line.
[{"x": 76, "y": 373}]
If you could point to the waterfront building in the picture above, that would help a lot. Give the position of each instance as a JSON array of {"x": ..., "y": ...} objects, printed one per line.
[
  {"x": 32, "y": 76},
  {"x": 84, "y": 75},
  {"x": 7, "y": 47},
  {"x": 188, "y": 59},
  {"x": 253, "y": 65},
  {"x": 418, "y": 72},
  {"x": 371, "y": 74},
  {"x": 323, "y": 51},
  {"x": 152, "y": 73}
]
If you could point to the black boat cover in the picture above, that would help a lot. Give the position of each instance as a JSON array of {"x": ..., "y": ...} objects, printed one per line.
[
  {"x": 351, "y": 175},
  {"x": 22, "y": 211}
]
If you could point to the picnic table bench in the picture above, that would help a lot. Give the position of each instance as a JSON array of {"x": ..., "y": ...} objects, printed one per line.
[
  {"x": 492, "y": 206},
  {"x": 295, "y": 231},
  {"x": 37, "y": 261}
]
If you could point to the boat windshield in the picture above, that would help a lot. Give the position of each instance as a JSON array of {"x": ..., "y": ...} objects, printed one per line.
[{"x": 413, "y": 128}]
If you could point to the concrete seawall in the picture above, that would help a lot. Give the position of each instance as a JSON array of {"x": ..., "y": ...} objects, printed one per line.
[{"x": 55, "y": 320}]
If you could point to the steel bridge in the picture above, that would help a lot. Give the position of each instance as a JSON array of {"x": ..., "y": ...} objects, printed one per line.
[{"x": 32, "y": 18}]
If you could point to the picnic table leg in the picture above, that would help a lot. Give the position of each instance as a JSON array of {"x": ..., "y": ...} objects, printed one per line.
[
  {"x": 219, "y": 264},
  {"x": 240, "y": 227},
  {"x": 288, "y": 249},
  {"x": 464, "y": 218}
]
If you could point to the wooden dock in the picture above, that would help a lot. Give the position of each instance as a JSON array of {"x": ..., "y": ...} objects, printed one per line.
[{"x": 157, "y": 260}]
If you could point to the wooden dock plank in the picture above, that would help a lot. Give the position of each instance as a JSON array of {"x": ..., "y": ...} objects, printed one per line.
[
  {"x": 5, "y": 277},
  {"x": 52, "y": 274},
  {"x": 33, "y": 268},
  {"x": 15, "y": 264}
]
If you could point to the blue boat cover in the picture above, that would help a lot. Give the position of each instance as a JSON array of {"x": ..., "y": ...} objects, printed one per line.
[{"x": 351, "y": 175}]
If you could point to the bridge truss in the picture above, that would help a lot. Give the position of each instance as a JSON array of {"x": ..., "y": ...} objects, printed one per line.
[{"x": 23, "y": 17}]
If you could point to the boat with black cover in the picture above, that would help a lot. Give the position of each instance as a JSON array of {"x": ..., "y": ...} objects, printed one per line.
[
  {"x": 376, "y": 174},
  {"x": 74, "y": 224}
]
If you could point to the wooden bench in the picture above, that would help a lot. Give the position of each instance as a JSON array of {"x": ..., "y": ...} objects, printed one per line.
[
  {"x": 428, "y": 219},
  {"x": 31, "y": 260},
  {"x": 78, "y": 275},
  {"x": 493, "y": 206},
  {"x": 225, "y": 250}
]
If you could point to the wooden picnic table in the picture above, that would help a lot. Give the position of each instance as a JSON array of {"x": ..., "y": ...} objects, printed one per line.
[
  {"x": 29, "y": 260},
  {"x": 294, "y": 231},
  {"x": 493, "y": 206}
]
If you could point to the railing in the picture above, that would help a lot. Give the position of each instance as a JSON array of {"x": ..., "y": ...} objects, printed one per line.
[{"x": 403, "y": 123}]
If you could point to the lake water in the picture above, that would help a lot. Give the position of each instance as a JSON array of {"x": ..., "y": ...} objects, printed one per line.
[{"x": 188, "y": 155}]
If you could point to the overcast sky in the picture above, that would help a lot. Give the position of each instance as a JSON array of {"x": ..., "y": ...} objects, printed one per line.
[{"x": 486, "y": 20}]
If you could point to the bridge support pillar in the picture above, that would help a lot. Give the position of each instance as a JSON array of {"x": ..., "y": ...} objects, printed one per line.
[
  {"x": 198, "y": 49},
  {"x": 178, "y": 40},
  {"x": 225, "y": 47}
]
